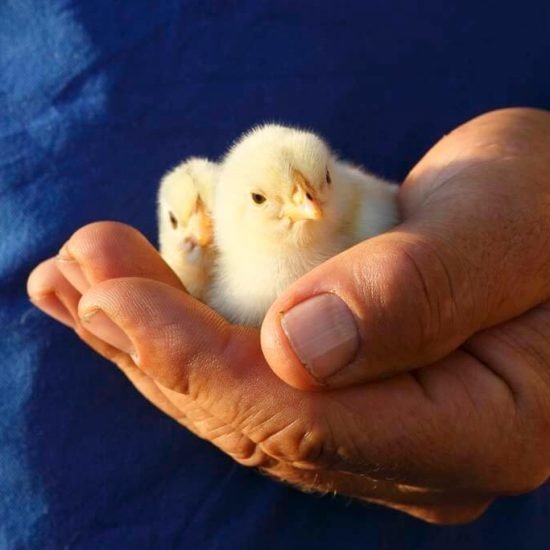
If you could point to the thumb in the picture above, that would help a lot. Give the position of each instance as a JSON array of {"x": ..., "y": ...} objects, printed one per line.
[
  {"x": 411, "y": 296},
  {"x": 387, "y": 305}
]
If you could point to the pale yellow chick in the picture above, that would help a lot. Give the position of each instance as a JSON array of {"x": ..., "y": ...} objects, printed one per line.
[
  {"x": 284, "y": 204},
  {"x": 185, "y": 200}
]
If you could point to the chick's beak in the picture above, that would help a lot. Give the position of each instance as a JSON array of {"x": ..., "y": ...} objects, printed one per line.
[
  {"x": 304, "y": 207},
  {"x": 309, "y": 209},
  {"x": 199, "y": 227}
]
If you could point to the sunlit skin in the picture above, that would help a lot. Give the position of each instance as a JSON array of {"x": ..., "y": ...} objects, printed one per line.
[{"x": 441, "y": 414}]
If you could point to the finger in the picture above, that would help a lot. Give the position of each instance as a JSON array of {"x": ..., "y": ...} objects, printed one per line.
[
  {"x": 450, "y": 510},
  {"x": 405, "y": 429},
  {"x": 49, "y": 291},
  {"x": 189, "y": 349},
  {"x": 174, "y": 330},
  {"x": 519, "y": 353},
  {"x": 98, "y": 252},
  {"x": 434, "y": 506},
  {"x": 190, "y": 412},
  {"x": 94, "y": 253},
  {"x": 187, "y": 412},
  {"x": 180, "y": 408},
  {"x": 107, "y": 250},
  {"x": 476, "y": 208},
  {"x": 218, "y": 431}
]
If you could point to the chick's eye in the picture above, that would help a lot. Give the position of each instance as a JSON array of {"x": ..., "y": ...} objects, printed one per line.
[
  {"x": 329, "y": 181},
  {"x": 173, "y": 220},
  {"x": 257, "y": 198}
]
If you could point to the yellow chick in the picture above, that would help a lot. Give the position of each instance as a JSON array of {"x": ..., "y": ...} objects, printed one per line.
[
  {"x": 185, "y": 200},
  {"x": 284, "y": 204}
]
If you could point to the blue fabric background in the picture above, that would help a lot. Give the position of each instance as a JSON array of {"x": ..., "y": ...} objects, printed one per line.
[{"x": 97, "y": 100}]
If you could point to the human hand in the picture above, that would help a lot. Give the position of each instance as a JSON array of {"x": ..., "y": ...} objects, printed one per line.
[
  {"x": 473, "y": 251},
  {"x": 439, "y": 442}
]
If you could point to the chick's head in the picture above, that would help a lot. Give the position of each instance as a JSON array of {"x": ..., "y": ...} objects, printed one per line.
[
  {"x": 276, "y": 186},
  {"x": 185, "y": 204}
]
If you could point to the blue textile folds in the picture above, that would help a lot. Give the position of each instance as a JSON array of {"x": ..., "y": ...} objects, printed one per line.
[{"x": 97, "y": 100}]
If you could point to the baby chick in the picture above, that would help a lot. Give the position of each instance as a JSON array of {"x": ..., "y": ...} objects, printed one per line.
[
  {"x": 284, "y": 204},
  {"x": 185, "y": 199}
]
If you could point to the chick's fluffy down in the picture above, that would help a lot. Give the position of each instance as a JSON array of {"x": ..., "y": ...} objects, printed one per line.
[
  {"x": 185, "y": 201},
  {"x": 283, "y": 204}
]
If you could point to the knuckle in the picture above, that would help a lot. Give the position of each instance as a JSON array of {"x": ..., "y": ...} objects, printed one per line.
[
  {"x": 305, "y": 448},
  {"x": 256, "y": 458},
  {"x": 296, "y": 445},
  {"x": 243, "y": 450},
  {"x": 427, "y": 288},
  {"x": 226, "y": 437},
  {"x": 264, "y": 440}
]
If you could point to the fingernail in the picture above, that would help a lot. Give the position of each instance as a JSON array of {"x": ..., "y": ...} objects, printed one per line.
[
  {"x": 322, "y": 333},
  {"x": 71, "y": 270},
  {"x": 96, "y": 322}
]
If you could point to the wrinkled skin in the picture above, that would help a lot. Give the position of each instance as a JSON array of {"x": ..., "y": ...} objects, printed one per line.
[{"x": 448, "y": 402}]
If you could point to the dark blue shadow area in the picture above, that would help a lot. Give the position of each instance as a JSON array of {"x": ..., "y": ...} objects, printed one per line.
[{"x": 97, "y": 100}]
